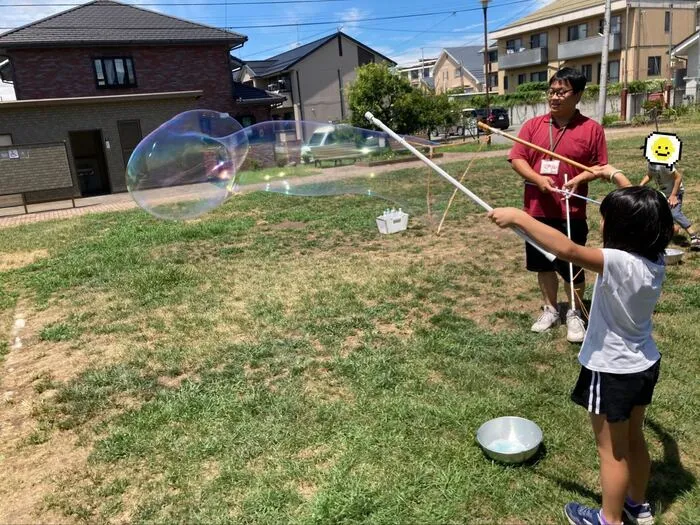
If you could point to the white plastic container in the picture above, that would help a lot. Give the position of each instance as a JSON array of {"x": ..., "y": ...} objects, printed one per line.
[{"x": 392, "y": 221}]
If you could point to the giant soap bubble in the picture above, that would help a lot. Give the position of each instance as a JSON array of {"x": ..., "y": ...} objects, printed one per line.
[{"x": 197, "y": 160}]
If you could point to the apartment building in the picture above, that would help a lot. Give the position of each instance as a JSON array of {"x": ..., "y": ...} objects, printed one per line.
[
  {"x": 419, "y": 73},
  {"x": 566, "y": 33}
]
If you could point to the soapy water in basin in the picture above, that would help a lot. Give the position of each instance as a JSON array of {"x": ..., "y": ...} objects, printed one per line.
[{"x": 506, "y": 446}]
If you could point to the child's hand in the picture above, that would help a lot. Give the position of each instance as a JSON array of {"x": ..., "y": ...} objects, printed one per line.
[
  {"x": 505, "y": 217},
  {"x": 572, "y": 185},
  {"x": 673, "y": 201},
  {"x": 603, "y": 172}
]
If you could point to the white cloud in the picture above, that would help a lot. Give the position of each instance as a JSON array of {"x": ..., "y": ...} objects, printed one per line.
[{"x": 12, "y": 17}]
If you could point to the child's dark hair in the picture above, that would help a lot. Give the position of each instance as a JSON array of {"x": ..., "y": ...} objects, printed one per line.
[
  {"x": 568, "y": 74},
  {"x": 637, "y": 220}
]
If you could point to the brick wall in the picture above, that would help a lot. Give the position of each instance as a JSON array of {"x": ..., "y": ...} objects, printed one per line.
[
  {"x": 34, "y": 168},
  {"x": 63, "y": 73}
]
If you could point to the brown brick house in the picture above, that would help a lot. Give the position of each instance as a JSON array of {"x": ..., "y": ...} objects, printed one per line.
[{"x": 100, "y": 76}]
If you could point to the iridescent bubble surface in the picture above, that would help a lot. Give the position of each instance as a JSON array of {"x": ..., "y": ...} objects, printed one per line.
[{"x": 195, "y": 162}]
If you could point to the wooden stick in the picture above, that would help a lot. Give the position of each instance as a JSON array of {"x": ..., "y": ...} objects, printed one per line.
[
  {"x": 570, "y": 162},
  {"x": 454, "y": 193}
]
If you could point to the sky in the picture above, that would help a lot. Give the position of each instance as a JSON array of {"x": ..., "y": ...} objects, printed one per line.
[{"x": 444, "y": 24}]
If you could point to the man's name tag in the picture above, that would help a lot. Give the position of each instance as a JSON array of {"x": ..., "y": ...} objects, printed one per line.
[{"x": 549, "y": 167}]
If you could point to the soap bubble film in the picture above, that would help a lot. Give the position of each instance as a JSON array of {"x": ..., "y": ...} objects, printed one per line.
[{"x": 193, "y": 163}]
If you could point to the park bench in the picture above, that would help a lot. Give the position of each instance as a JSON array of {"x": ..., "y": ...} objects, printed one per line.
[{"x": 336, "y": 154}]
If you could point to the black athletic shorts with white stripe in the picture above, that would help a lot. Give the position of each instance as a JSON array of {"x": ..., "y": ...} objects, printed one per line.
[{"x": 615, "y": 395}]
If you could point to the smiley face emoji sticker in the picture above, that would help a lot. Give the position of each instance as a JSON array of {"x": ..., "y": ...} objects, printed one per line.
[{"x": 663, "y": 148}]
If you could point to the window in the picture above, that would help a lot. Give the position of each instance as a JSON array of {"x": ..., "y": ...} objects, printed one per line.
[
  {"x": 538, "y": 40},
  {"x": 614, "y": 71},
  {"x": 505, "y": 82},
  {"x": 615, "y": 25},
  {"x": 114, "y": 72},
  {"x": 587, "y": 71},
  {"x": 414, "y": 74},
  {"x": 493, "y": 56},
  {"x": 493, "y": 79},
  {"x": 364, "y": 57},
  {"x": 577, "y": 32},
  {"x": 654, "y": 66},
  {"x": 521, "y": 78},
  {"x": 426, "y": 72},
  {"x": 513, "y": 46},
  {"x": 667, "y": 21},
  {"x": 458, "y": 73},
  {"x": 539, "y": 76}
]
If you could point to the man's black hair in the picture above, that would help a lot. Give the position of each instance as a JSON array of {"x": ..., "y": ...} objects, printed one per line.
[
  {"x": 638, "y": 220},
  {"x": 568, "y": 74}
]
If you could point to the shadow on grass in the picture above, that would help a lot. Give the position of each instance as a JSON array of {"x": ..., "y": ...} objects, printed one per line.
[{"x": 669, "y": 479}]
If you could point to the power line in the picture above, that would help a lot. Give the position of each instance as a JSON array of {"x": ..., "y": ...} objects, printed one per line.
[{"x": 291, "y": 24}]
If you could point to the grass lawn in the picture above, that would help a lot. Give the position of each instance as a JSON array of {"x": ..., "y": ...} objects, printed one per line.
[
  {"x": 470, "y": 146},
  {"x": 278, "y": 361}
]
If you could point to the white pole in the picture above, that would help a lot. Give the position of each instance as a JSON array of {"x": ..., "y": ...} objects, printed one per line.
[
  {"x": 602, "y": 95},
  {"x": 568, "y": 234},
  {"x": 450, "y": 179}
]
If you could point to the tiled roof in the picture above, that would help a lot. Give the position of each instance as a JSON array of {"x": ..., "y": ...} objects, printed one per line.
[
  {"x": 283, "y": 61},
  {"x": 556, "y": 8},
  {"x": 110, "y": 22},
  {"x": 470, "y": 58}
]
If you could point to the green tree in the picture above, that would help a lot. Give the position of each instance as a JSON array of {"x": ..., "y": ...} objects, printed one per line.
[{"x": 395, "y": 102}]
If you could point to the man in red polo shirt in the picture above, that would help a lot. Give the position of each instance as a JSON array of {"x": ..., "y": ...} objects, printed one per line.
[{"x": 565, "y": 131}]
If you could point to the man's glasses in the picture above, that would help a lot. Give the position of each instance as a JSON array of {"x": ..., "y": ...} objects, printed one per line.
[{"x": 559, "y": 93}]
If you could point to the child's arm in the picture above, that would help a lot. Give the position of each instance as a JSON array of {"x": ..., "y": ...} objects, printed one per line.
[
  {"x": 677, "y": 179},
  {"x": 645, "y": 180},
  {"x": 607, "y": 172},
  {"x": 550, "y": 239}
]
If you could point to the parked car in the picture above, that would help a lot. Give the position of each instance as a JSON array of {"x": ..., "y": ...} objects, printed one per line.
[{"x": 497, "y": 118}]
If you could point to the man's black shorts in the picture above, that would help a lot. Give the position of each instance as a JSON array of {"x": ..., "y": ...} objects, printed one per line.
[
  {"x": 536, "y": 262},
  {"x": 615, "y": 395}
]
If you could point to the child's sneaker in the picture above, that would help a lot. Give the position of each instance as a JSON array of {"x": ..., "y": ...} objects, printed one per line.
[
  {"x": 548, "y": 319},
  {"x": 694, "y": 242},
  {"x": 638, "y": 514},
  {"x": 578, "y": 514}
]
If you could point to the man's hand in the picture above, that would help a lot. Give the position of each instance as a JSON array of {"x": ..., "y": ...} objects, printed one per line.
[
  {"x": 545, "y": 185},
  {"x": 505, "y": 217},
  {"x": 673, "y": 201}
]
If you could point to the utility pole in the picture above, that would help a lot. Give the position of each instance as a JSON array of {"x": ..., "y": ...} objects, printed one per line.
[
  {"x": 602, "y": 96},
  {"x": 485, "y": 4}
]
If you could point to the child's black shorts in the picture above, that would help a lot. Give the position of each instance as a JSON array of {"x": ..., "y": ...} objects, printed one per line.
[{"x": 615, "y": 395}]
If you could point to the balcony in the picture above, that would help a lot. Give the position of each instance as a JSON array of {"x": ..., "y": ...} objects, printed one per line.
[
  {"x": 587, "y": 47},
  {"x": 528, "y": 57}
]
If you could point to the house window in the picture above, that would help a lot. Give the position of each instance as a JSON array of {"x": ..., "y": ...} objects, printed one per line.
[
  {"x": 493, "y": 56},
  {"x": 505, "y": 82},
  {"x": 615, "y": 25},
  {"x": 587, "y": 71},
  {"x": 667, "y": 21},
  {"x": 539, "y": 76},
  {"x": 493, "y": 79},
  {"x": 577, "y": 32},
  {"x": 654, "y": 66},
  {"x": 414, "y": 74},
  {"x": 364, "y": 57},
  {"x": 521, "y": 78},
  {"x": 426, "y": 72},
  {"x": 458, "y": 73},
  {"x": 513, "y": 46},
  {"x": 538, "y": 40},
  {"x": 114, "y": 72},
  {"x": 614, "y": 71}
]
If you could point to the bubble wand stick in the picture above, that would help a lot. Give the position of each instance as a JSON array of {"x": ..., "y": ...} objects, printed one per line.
[{"x": 450, "y": 179}]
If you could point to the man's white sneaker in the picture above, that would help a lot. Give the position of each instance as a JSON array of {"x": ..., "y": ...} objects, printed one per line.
[
  {"x": 548, "y": 319},
  {"x": 575, "y": 328}
]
